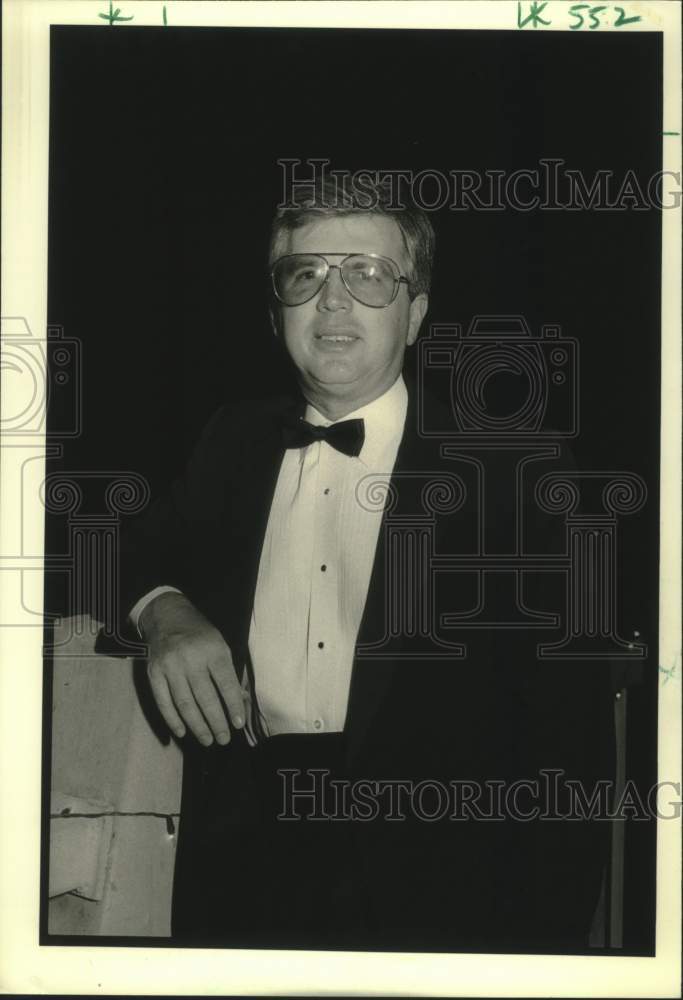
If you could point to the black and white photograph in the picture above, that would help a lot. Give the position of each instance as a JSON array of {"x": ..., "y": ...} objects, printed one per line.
[{"x": 342, "y": 441}]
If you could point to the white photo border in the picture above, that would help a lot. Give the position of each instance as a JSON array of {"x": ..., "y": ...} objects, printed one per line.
[{"x": 27, "y": 967}]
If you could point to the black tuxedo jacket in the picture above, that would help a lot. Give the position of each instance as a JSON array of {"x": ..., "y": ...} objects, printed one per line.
[{"x": 427, "y": 702}]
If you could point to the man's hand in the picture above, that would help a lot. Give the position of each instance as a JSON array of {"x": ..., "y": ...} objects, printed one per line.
[{"x": 189, "y": 663}]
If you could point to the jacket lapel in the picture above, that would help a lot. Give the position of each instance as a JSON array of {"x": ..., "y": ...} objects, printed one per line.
[
  {"x": 260, "y": 468},
  {"x": 373, "y": 674}
]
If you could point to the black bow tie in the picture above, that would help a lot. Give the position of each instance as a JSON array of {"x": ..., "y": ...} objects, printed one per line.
[{"x": 347, "y": 436}]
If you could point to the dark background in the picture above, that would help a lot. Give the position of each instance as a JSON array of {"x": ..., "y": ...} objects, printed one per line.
[{"x": 163, "y": 178}]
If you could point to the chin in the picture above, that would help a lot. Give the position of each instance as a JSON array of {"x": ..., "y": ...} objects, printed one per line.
[{"x": 334, "y": 372}]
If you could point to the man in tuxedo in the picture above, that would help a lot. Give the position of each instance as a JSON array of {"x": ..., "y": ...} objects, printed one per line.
[{"x": 261, "y": 584}]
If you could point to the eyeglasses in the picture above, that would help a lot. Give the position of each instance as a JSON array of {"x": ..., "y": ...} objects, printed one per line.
[{"x": 372, "y": 280}]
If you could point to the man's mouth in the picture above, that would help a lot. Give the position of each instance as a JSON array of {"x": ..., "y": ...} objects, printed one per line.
[{"x": 338, "y": 336}]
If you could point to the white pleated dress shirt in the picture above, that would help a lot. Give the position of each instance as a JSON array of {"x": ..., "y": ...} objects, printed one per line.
[
  {"x": 314, "y": 573},
  {"x": 317, "y": 558}
]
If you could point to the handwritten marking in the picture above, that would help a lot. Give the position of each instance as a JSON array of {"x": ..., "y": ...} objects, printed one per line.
[
  {"x": 671, "y": 674},
  {"x": 534, "y": 14},
  {"x": 622, "y": 19},
  {"x": 114, "y": 15},
  {"x": 583, "y": 14},
  {"x": 592, "y": 13}
]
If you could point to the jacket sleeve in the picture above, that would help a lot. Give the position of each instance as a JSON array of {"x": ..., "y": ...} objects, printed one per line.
[{"x": 153, "y": 547}]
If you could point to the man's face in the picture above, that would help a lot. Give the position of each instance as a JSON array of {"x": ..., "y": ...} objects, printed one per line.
[{"x": 341, "y": 375}]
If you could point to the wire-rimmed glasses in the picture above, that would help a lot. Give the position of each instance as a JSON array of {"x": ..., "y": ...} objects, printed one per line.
[{"x": 371, "y": 279}]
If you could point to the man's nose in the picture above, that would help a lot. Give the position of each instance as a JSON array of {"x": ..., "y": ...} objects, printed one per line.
[{"x": 334, "y": 294}]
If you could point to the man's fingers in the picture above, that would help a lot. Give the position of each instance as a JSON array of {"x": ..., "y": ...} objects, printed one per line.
[
  {"x": 207, "y": 699},
  {"x": 162, "y": 696},
  {"x": 194, "y": 681},
  {"x": 188, "y": 709},
  {"x": 225, "y": 678}
]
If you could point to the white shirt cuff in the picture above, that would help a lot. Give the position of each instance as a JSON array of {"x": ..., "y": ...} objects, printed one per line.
[{"x": 139, "y": 607}]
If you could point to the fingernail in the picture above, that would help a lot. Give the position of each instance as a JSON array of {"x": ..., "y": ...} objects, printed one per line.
[
  {"x": 223, "y": 738},
  {"x": 206, "y": 741},
  {"x": 238, "y": 721}
]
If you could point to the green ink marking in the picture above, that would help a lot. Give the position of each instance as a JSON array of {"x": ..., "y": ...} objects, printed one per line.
[
  {"x": 671, "y": 672},
  {"x": 622, "y": 19},
  {"x": 574, "y": 12},
  {"x": 594, "y": 11},
  {"x": 534, "y": 15},
  {"x": 114, "y": 15},
  {"x": 164, "y": 14},
  {"x": 671, "y": 133}
]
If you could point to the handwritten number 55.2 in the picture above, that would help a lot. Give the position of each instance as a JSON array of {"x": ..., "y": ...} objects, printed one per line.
[
  {"x": 537, "y": 15},
  {"x": 593, "y": 19},
  {"x": 592, "y": 14}
]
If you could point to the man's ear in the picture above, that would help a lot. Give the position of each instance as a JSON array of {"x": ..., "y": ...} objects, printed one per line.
[
  {"x": 418, "y": 310},
  {"x": 275, "y": 314}
]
